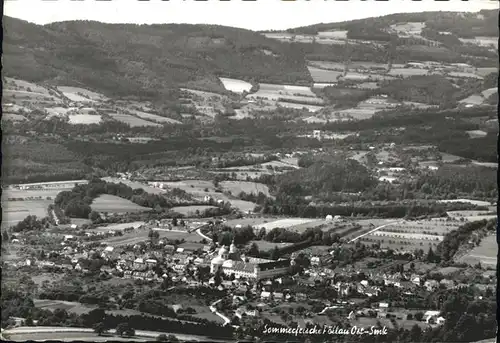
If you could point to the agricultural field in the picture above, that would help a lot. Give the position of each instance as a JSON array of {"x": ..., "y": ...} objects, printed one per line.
[
  {"x": 84, "y": 119},
  {"x": 408, "y": 72},
  {"x": 154, "y": 117},
  {"x": 485, "y": 253},
  {"x": 70, "y": 337},
  {"x": 21, "y": 84},
  {"x": 15, "y": 211},
  {"x": 485, "y": 71},
  {"x": 190, "y": 211},
  {"x": 236, "y": 86},
  {"x": 19, "y": 96},
  {"x": 416, "y": 236},
  {"x": 81, "y": 94},
  {"x": 236, "y": 187},
  {"x": 58, "y": 111},
  {"x": 489, "y": 92},
  {"x": 465, "y": 75},
  {"x": 338, "y": 34},
  {"x": 474, "y": 99},
  {"x": 309, "y": 108},
  {"x": 131, "y": 120},
  {"x": 112, "y": 203},
  {"x": 477, "y": 134},
  {"x": 470, "y": 201},
  {"x": 119, "y": 227},
  {"x": 320, "y": 85},
  {"x": 141, "y": 235},
  {"x": 70, "y": 306},
  {"x": 481, "y": 41},
  {"x": 288, "y": 223},
  {"x": 12, "y": 116},
  {"x": 357, "y": 113},
  {"x": 286, "y": 92},
  {"x": 29, "y": 194},
  {"x": 324, "y": 76}
]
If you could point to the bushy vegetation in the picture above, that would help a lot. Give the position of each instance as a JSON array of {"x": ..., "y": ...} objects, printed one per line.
[
  {"x": 457, "y": 238},
  {"x": 323, "y": 178}
]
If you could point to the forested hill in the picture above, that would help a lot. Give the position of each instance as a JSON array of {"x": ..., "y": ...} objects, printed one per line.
[
  {"x": 129, "y": 59},
  {"x": 463, "y": 25}
]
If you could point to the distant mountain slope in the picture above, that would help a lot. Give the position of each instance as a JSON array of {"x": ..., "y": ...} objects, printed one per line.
[
  {"x": 462, "y": 24},
  {"x": 127, "y": 59},
  {"x": 453, "y": 37}
]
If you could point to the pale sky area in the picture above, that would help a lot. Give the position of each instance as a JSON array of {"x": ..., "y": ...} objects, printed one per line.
[{"x": 257, "y": 15}]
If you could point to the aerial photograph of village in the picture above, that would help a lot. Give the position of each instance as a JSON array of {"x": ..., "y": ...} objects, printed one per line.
[{"x": 334, "y": 182}]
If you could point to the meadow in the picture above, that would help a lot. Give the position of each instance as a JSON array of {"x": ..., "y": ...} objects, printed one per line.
[
  {"x": 112, "y": 203},
  {"x": 15, "y": 211},
  {"x": 236, "y": 187},
  {"x": 154, "y": 117},
  {"x": 324, "y": 76},
  {"x": 30, "y": 194},
  {"x": 486, "y": 253},
  {"x": 72, "y": 94},
  {"x": 474, "y": 99},
  {"x": 141, "y": 235},
  {"x": 131, "y": 120},
  {"x": 408, "y": 72},
  {"x": 477, "y": 133},
  {"x": 288, "y": 223},
  {"x": 190, "y": 211},
  {"x": 119, "y": 227},
  {"x": 310, "y": 108},
  {"x": 470, "y": 201},
  {"x": 12, "y": 116},
  {"x": 287, "y": 92},
  {"x": 21, "y": 84},
  {"x": 84, "y": 119},
  {"x": 58, "y": 111},
  {"x": 236, "y": 86}
]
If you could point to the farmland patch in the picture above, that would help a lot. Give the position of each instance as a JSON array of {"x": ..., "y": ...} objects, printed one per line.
[
  {"x": 236, "y": 86},
  {"x": 12, "y": 116},
  {"x": 324, "y": 76},
  {"x": 190, "y": 211},
  {"x": 154, "y": 117},
  {"x": 283, "y": 223},
  {"x": 119, "y": 227},
  {"x": 81, "y": 94},
  {"x": 112, "y": 203},
  {"x": 15, "y": 211},
  {"x": 132, "y": 121},
  {"x": 485, "y": 253},
  {"x": 236, "y": 187},
  {"x": 84, "y": 119},
  {"x": 477, "y": 133}
]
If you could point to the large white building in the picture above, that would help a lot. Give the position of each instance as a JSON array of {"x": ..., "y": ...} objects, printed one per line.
[{"x": 230, "y": 262}]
